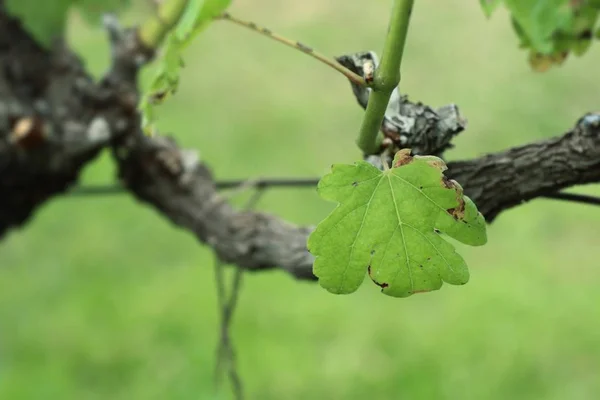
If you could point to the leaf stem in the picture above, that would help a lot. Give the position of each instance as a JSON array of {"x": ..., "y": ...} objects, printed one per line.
[
  {"x": 355, "y": 78},
  {"x": 153, "y": 31},
  {"x": 387, "y": 77}
]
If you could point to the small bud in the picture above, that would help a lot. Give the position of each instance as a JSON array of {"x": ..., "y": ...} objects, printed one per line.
[{"x": 28, "y": 132}]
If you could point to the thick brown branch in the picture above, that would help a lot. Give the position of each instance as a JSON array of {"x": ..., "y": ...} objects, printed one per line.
[
  {"x": 499, "y": 181},
  {"x": 51, "y": 123},
  {"x": 182, "y": 189},
  {"x": 172, "y": 180},
  {"x": 54, "y": 119}
]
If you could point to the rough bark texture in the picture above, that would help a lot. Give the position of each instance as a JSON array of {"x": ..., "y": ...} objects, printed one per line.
[
  {"x": 54, "y": 120},
  {"x": 499, "y": 181}
]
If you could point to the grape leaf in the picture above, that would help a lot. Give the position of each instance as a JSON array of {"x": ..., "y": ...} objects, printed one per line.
[
  {"x": 550, "y": 29},
  {"x": 210, "y": 10},
  {"x": 389, "y": 224},
  {"x": 44, "y": 20},
  {"x": 197, "y": 15},
  {"x": 539, "y": 19}
]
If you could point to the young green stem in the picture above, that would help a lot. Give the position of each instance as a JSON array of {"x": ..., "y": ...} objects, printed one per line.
[
  {"x": 153, "y": 31},
  {"x": 296, "y": 45},
  {"x": 387, "y": 77}
]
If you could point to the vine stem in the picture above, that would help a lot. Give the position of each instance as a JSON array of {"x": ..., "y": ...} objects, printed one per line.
[
  {"x": 355, "y": 78},
  {"x": 387, "y": 77},
  {"x": 152, "y": 32}
]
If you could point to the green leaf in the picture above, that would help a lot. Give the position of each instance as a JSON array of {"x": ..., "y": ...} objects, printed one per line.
[
  {"x": 390, "y": 225},
  {"x": 92, "y": 10},
  {"x": 44, "y": 19},
  {"x": 164, "y": 83},
  {"x": 539, "y": 19},
  {"x": 210, "y": 10},
  {"x": 551, "y": 29},
  {"x": 189, "y": 19},
  {"x": 489, "y": 6},
  {"x": 197, "y": 15}
]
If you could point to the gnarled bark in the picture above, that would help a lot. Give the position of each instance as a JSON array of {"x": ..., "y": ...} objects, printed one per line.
[{"x": 54, "y": 120}]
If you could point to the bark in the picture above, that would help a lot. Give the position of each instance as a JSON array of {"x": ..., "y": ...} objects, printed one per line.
[{"x": 54, "y": 120}]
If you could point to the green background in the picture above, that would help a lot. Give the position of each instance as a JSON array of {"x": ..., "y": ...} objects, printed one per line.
[{"x": 102, "y": 298}]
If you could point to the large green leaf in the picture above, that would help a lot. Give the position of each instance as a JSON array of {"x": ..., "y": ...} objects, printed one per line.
[{"x": 390, "y": 224}]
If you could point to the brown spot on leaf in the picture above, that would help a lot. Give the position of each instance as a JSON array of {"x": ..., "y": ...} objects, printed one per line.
[
  {"x": 402, "y": 157},
  {"x": 157, "y": 97},
  {"x": 447, "y": 183},
  {"x": 382, "y": 285},
  {"x": 438, "y": 164},
  {"x": 458, "y": 212},
  {"x": 573, "y": 3}
]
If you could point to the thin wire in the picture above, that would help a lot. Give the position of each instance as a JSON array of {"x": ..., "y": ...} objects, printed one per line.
[
  {"x": 102, "y": 190},
  {"x": 579, "y": 198},
  {"x": 108, "y": 190},
  {"x": 227, "y": 305}
]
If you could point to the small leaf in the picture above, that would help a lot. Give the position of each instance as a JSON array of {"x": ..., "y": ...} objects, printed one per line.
[
  {"x": 164, "y": 82},
  {"x": 389, "y": 224},
  {"x": 210, "y": 10},
  {"x": 539, "y": 19},
  {"x": 197, "y": 15},
  {"x": 489, "y": 6},
  {"x": 552, "y": 29}
]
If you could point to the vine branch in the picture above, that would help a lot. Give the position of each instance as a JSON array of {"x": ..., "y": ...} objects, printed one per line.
[
  {"x": 386, "y": 78},
  {"x": 153, "y": 31}
]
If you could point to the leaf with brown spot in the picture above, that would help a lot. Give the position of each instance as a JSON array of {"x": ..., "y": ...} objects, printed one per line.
[
  {"x": 402, "y": 157},
  {"x": 391, "y": 222}
]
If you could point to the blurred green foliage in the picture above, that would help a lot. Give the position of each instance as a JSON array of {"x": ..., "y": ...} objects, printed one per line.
[{"x": 103, "y": 299}]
